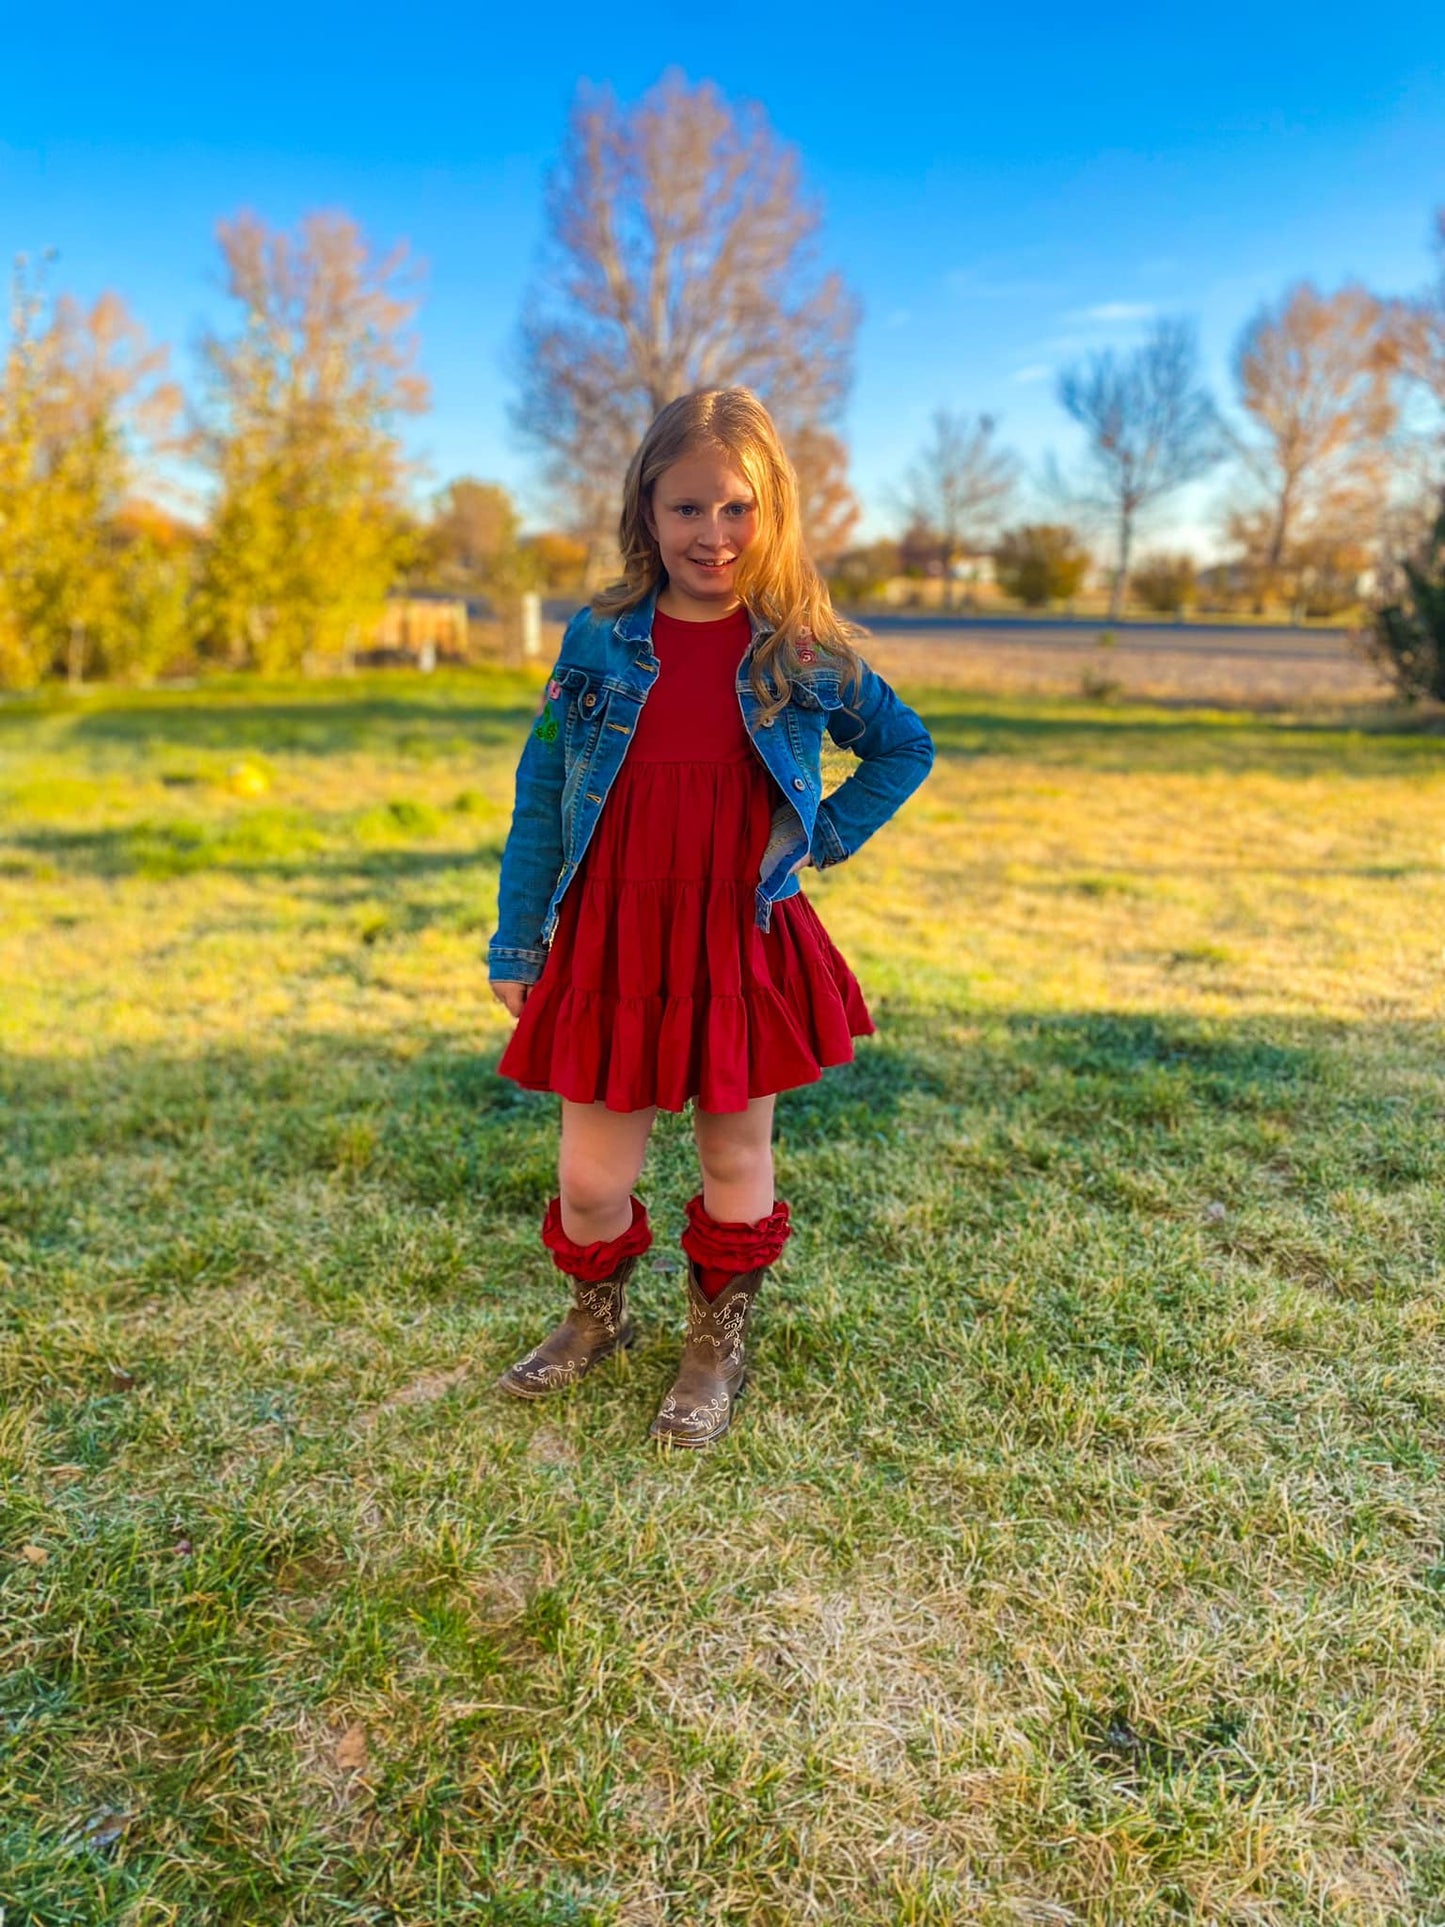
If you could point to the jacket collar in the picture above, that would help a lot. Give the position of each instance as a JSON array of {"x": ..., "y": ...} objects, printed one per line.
[{"x": 635, "y": 625}]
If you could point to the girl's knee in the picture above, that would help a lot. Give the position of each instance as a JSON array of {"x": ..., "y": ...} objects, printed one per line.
[
  {"x": 586, "y": 1185},
  {"x": 733, "y": 1160}
]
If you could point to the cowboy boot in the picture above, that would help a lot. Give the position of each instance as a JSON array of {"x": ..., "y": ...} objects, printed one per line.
[
  {"x": 698, "y": 1409},
  {"x": 597, "y": 1325}
]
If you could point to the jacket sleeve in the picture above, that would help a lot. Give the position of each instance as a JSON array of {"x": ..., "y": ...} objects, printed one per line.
[
  {"x": 531, "y": 862},
  {"x": 895, "y": 753}
]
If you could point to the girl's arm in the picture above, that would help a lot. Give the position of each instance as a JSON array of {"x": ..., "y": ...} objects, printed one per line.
[
  {"x": 895, "y": 753},
  {"x": 531, "y": 859}
]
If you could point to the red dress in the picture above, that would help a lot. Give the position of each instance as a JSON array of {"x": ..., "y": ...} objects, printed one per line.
[{"x": 659, "y": 986}]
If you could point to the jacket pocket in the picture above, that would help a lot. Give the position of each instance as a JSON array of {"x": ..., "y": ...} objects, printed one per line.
[
  {"x": 787, "y": 846},
  {"x": 585, "y": 703}
]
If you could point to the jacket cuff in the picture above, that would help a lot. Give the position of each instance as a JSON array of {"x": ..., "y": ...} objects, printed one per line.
[
  {"x": 507, "y": 966},
  {"x": 828, "y": 846}
]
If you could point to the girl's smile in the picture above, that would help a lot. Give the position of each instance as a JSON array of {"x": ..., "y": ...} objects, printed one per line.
[{"x": 703, "y": 514}]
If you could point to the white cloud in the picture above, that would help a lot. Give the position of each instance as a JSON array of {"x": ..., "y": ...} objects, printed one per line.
[
  {"x": 1115, "y": 311},
  {"x": 1036, "y": 371}
]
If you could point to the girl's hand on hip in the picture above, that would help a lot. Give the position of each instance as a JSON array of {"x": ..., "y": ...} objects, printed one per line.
[{"x": 513, "y": 996}]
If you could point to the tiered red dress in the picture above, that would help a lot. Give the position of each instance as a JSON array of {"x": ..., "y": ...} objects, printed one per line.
[{"x": 659, "y": 986}]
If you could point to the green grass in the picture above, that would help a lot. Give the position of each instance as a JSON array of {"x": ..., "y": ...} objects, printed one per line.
[{"x": 1078, "y": 1553}]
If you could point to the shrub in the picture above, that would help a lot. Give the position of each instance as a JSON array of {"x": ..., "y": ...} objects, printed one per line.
[
  {"x": 1165, "y": 583},
  {"x": 1040, "y": 563},
  {"x": 1407, "y": 636}
]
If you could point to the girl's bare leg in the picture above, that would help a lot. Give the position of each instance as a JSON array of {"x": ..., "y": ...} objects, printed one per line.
[
  {"x": 598, "y": 1165},
  {"x": 735, "y": 1150}
]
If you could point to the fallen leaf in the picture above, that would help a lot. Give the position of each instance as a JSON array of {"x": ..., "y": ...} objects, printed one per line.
[
  {"x": 121, "y": 1380},
  {"x": 37, "y": 1555},
  {"x": 105, "y": 1828},
  {"x": 351, "y": 1754}
]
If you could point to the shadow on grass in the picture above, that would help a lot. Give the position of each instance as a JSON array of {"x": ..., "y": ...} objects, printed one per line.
[
  {"x": 1082, "y": 1105},
  {"x": 289, "y": 846},
  {"x": 463, "y": 714},
  {"x": 421, "y": 726}
]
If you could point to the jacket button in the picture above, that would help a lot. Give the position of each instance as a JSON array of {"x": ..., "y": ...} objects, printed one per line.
[
  {"x": 768, "y": 721},
  {"x": 588, "y": 701},
  {"x": 798, "y": 783}
]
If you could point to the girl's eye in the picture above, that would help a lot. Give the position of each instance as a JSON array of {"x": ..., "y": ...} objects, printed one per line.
[{"x": 740, "y": 508}]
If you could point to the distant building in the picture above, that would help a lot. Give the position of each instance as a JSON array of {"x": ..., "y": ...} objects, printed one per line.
[{"x": 427, "y": 623}]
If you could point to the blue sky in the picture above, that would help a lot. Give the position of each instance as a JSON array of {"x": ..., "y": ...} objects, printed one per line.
[{"x": 1003, "y": 188}]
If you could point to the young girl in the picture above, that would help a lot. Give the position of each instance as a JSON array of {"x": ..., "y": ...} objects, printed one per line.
[{"x": 653, "y": 943}]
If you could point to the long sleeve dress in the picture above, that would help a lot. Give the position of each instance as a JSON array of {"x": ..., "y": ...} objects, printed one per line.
[{"x": 659, "y": 986}]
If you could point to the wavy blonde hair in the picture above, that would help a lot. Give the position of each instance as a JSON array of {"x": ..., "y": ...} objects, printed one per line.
[{"x": 775, "y": 577}]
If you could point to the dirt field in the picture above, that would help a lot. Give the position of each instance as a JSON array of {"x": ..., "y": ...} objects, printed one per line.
[{"x": 1228, "y": 667}]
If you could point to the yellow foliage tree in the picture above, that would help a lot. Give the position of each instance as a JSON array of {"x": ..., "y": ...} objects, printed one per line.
[
  {"x": 309, "y": 528},
  {"x": 83, "y": 404}
]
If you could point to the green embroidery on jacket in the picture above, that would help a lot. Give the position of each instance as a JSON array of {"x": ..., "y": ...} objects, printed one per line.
[{"x": 546, "y": 726}]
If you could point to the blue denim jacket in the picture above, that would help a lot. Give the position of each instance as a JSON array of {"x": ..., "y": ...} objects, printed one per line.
[{"x": 577, "y": 745}]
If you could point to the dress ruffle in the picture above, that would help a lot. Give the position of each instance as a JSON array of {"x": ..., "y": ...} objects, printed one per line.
[{"x": 659, "y": 986}]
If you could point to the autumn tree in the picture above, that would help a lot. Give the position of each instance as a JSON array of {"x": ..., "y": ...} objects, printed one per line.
[
  {"x": 1315, "y": 377},
  {"x": 558, "y": 560},
  {"x": 471, "y": 538},
  {"x": 1149, "y": 427},
  {"x": 1041, "y": 562},
  {"x": 956, "y": 492},
  {"x": 829, "y": 508},
  {"x": 299, "y": 428},
  {"x": 85, "y": 408},
  {"x": 681, "y": 255},
  {"x": 863, "y": 574}
]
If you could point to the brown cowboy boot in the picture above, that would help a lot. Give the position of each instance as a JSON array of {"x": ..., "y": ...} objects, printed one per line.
[
  {"x": 597, "y": 1325},
  {"x": 698, "y": 1409}
]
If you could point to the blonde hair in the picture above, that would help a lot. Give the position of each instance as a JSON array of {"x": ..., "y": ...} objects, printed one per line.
[{"x": 775, "y": 577}]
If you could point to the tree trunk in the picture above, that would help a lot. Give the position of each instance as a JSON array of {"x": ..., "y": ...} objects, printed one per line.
[{"x": 1121, "y": 574}]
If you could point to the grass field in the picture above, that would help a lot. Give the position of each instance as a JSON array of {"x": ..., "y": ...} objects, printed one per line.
[{"x": 1078, "y": 1553}]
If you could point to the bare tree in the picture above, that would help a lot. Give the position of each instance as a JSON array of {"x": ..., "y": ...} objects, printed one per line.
[
  {"x": 959, "y": 489},
  {"x": 681, "y": 256},
  {"x": 1316, "y": 379},
  {"x": 1151, "y": 427}
]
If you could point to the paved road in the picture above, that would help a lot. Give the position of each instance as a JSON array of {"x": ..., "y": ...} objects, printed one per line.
[
  {"x": 1218, "y": 642},
  {"x": 1266, "y": 642}
]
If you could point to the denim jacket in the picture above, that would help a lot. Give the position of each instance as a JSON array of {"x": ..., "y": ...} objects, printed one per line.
[{"x": 577, "y": 745}]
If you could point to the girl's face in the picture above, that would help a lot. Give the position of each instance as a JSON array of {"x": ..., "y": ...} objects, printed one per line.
[{"x": 704, "y": 514}]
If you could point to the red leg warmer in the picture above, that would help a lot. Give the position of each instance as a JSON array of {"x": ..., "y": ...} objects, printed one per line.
[
  {"x": 592, "y": 1263},
  {"x": 721, "y": 1251}
]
